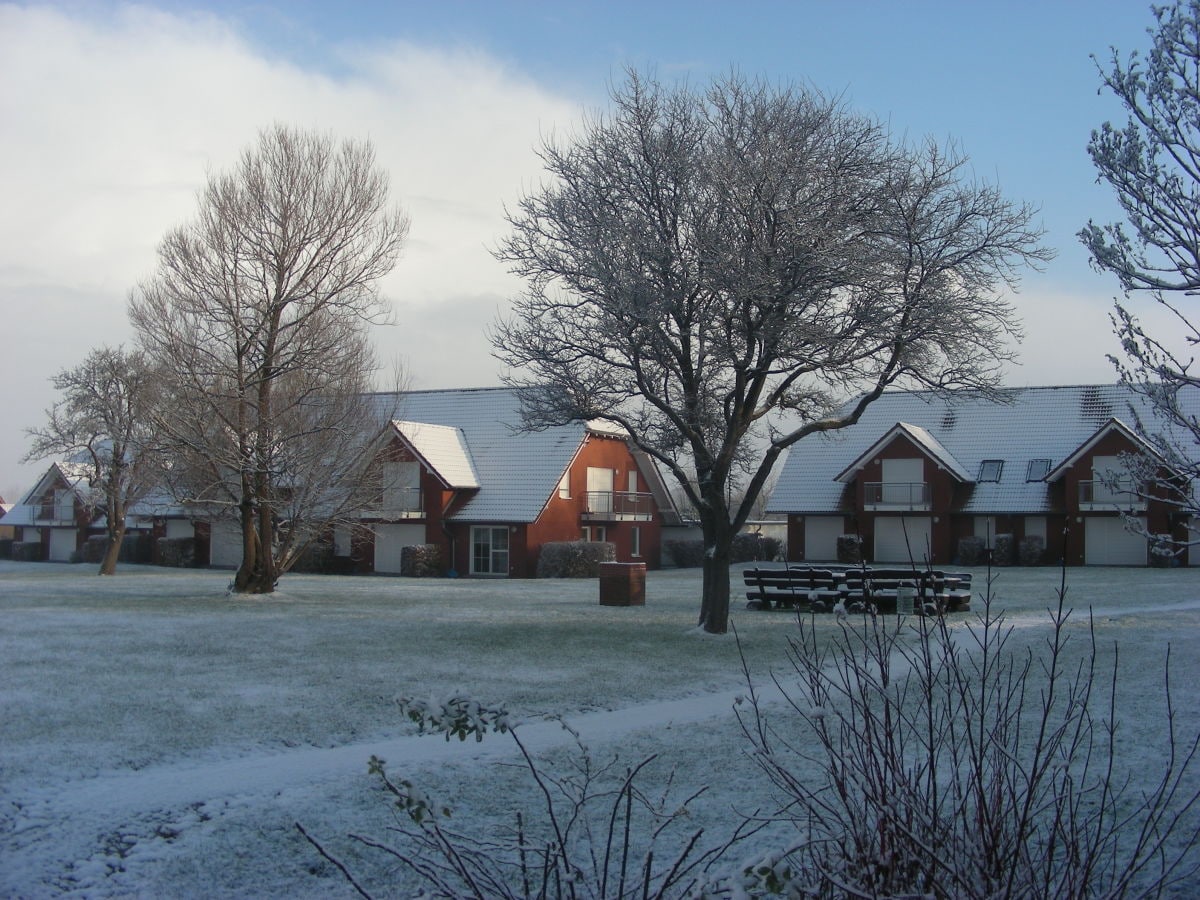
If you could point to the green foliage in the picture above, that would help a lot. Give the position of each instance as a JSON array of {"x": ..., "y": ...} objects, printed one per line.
[{"x": 456, "y": 716}]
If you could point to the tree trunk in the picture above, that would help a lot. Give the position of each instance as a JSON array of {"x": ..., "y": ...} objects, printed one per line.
[
  {"x": 718, "y": 545},
  {"x": 112, "y": 552}
]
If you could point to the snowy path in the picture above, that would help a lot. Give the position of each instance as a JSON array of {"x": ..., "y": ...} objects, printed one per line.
[
  {"x": 123, "y": 793},
  {"x": 182, "y": 784}
]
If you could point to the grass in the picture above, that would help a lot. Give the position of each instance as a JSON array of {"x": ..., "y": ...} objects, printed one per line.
[{"x": 157, "y": 667}]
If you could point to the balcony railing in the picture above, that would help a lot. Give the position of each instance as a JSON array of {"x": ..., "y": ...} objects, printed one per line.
[
  {"x": 1107, "y": 495},
  {"x": 896, "y": 495},
  {"x": 398, "y": 503},
  {"x": 618, "y": 506}
]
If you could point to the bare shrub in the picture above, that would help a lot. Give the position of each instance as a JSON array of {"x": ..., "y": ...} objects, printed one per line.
[
  {"x": 595, "y": 830},
  {"x": 951, "y": 765}
]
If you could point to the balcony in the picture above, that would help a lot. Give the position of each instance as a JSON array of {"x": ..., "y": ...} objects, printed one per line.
[
  {"x": 893, "y": 496},
  {"x": 1106, "y": 496},
  {"x": 618, "y": 506},
  {"x": 398, "y": 503}
]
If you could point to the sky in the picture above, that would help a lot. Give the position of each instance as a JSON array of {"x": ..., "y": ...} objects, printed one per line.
[{"x": 112, "y": 115}]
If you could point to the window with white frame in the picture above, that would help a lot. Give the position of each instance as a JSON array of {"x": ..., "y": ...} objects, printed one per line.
[
  {"x": 636, "y": 541},
  {"x": 564, "y": 485}
]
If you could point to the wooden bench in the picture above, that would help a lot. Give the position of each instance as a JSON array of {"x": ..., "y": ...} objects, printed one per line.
[
  {"x": 819, "y": 588},
  {"x": 794, "y": 587}
]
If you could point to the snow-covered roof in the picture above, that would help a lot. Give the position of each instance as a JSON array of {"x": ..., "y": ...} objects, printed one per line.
[
  {"x": 1035, "y": 423},
  {"x": 72, "y": 476},
  {"x": 443, "y": 449},
  {"x": 1111, "y": 426},
  {"x": 516, "y": 470},
  {"x": 918, "y": 436}
]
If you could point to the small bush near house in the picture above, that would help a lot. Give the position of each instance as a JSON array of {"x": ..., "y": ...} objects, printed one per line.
[
  {"x": 137, "y": 547},
  {"x": 849, "y": 549},
  {"x": 1162, "y": 551},
  {"x": 756, "y": 548},
  {"x": 421, "y": 561},
  {"x": 1031, "y": 550},
  {"x": 6, "y": 545},
  {"x": 93, "y": 549},
  {"x": 316, "y": 558},
  {"x": 574, "y": 559},
  {"x": 686, "y": 554},
  {"x": 972, "y": 551},
  {"x": 1004, "y": 550},
  {"x": 27, "y": 551},
  {"x": 179, "y": 553}
]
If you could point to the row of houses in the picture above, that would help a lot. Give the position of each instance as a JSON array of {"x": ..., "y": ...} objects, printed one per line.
[
  {"x": 915, "y": 476},
  {"x": 920, "y": 472},
  {"x": 459, "y": 474}
]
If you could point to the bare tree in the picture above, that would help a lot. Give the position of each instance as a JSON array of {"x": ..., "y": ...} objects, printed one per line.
[
  {"x": 1152, "y": 164},
  {"x": 718, "y": 271},
  {"x": 99, "y": 423},
  {"x": 258, "y": 314}
]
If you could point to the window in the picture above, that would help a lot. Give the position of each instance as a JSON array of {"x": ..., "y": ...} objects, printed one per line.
[
  {"x": 489, "y": 550},
  {"x": 564, "y": 485},
  {"x": 636, "y": 542},
  {"x": 633, "y": 482},
  {"x": 1038, "y": 469},
  {"x": 599, "y": 533},
  {"x": 990, "y": 469}
]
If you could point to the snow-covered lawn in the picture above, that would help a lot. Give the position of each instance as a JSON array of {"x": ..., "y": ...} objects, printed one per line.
[{"x": 159, "y": 737}]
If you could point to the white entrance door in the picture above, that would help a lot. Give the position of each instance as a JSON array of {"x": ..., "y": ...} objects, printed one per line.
[
  {"x": 1108, "y": 543},
  {"x": 820, "y": 537},
  {"x": 390, "y": 541},
  {"x": 903, "y": 539}
]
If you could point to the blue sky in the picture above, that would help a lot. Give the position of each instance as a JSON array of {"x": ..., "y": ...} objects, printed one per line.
[{"x": 113, "y": 113}]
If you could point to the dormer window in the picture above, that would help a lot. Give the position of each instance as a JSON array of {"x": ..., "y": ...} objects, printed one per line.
[
  {"x": 1038, "y": 470},
  {"x": 990, "y": 469}
]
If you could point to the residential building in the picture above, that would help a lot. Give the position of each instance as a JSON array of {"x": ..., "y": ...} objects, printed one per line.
[
  {"x": 53, "y": 516},
  {"x": 920, "y": 471},
  {"x": 462, "y": 474}
]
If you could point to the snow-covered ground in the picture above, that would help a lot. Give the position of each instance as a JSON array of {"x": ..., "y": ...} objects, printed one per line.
[{"x": 160, "y": 738}]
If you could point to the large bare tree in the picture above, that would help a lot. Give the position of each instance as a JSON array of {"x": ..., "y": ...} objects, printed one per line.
[
  {"x": 99, "y": 424},
  {"x": 718, "y": 270},
  {"x": 1152, "y": 163},
  {"x": 257, "y": 315}
]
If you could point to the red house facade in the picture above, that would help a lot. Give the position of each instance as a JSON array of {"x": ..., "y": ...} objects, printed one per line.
[
  {"x": 460, "y": 474},
  {"x": 1052, "y": 468}
]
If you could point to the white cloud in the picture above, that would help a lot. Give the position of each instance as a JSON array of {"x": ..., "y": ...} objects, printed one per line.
[{"x": 111, "y": 126}]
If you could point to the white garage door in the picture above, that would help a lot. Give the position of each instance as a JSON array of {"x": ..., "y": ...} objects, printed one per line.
[
  {"x": 62, "y": 544},
  {"x": 390, "y": 540},
  {"x": 902, "y": 539},
  {"x": 1107, "y": 543},
  {"x": 820, "y": 537},
  {"x": 225, "y": 544}
]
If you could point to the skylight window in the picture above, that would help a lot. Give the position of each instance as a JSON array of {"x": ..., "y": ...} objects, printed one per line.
[
  {"x": 990, "y": 469},
  {"x": 1038, "y": 470}
]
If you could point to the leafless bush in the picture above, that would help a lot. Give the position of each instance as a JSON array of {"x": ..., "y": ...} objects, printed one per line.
[
  {"x": 955, "y": 766},
  {"x": 595, "y": 831}
]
